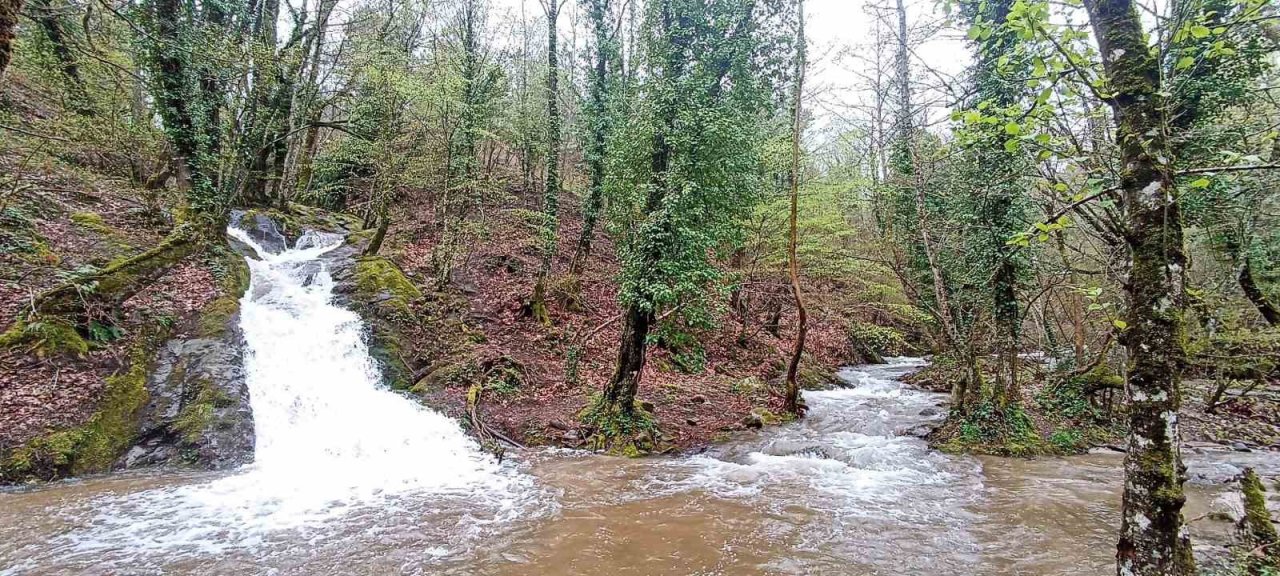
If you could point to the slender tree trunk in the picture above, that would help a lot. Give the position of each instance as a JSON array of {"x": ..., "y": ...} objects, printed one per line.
[
  {"x": 9, "y": 10},
  {"x": 311, "y": 106},
  {"x": 384, "y": 222},
  {"x": 551, "y": 197},
  {"x": 597, "y": 117},
  {"x": 792, "y": 401},
  {"x": 1153, "y": 537},
  {"x": 1255, "y": 294}
]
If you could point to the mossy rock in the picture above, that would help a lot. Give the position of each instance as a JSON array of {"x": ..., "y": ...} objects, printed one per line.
[
  {"x": 92, "y": 221},
  {"x": 618, "y": 434},
  {"x": 381, "y": 284},
  {"x": 95, "y": 445},
  {"x": 198, "y": 415},
  {"x": 45, "y": 337}
]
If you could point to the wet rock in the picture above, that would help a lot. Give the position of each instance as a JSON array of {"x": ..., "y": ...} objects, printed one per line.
[
  {"x": 930, "y": 412},
  {"x": 753, "y": 421},
  {"x": 1240, "y": 447},
  {"x": 262, "y": 229},
  {"x": 571, "y": 436},
  {"x": 199, "y": 412},
  {"x": 813, "y": 452},
  {"x": 921, "y": 431}
]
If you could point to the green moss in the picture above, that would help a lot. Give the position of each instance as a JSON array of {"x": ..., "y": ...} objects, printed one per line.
[
  {"x": 45, "y": 337},
  {"x": 197, "y": 416},
  {"x": 95, "y": 445},
  {"x": 619, "y": 434},
  {"x": 382, "y": 283},
  {"x": 216, "y": 316},
  {"x": 986, "y": 429},
  {"x": 92, "y": 221},
  {"x": 387, "y": 350}
]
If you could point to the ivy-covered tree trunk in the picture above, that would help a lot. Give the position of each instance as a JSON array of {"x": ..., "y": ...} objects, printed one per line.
[
  {"x": 187, "y": 91},
  {"x": 1000, "y": 210},
  {"x": 9, "y": 10},
  {"x": 551, "y": 196},
  {"x": 54, "y": 31},
  {"x": 1153, "y": 536},
  {"x": 597, "y": 118}
]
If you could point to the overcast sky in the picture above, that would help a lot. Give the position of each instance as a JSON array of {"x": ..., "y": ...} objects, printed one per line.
[{"x": 841, "y": 36}]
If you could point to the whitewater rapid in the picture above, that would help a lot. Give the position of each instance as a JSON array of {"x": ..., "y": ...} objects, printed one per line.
[{"x": 331, "y": 443}]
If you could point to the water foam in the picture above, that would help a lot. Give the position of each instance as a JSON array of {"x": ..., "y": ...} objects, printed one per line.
[
  {"x": 331, "y": 442},
  {"x": 845, "y": 451}
]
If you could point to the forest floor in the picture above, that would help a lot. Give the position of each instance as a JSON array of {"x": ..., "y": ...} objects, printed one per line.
[
  {"x": 699, "y": 383},
  {"x": 58, "y": 219}
]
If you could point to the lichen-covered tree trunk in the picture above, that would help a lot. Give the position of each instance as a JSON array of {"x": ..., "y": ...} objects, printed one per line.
[
  {"x": 9, "y": 10},
  {"x": 1153, "y": 536}
]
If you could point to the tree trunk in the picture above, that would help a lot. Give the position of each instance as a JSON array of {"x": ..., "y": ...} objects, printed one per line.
[
  {"x": 621, "y": 390},
  {"x": 620, "y": 394},
  {"x": 9, "y": 10},
  {"x": 551, "y": 197},
  {"x": 598, "y": 118},
  {"x": 51, "y": 24},
  {"x": 1153, "y": 537},
  {"x": 792, "y": 400},
  {"x": 1255, "y": 294},
  {"x": 384, "y": 222}
]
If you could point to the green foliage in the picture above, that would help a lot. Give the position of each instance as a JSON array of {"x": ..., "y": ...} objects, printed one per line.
[
  {"x": 883, "y": 340},
  {"x": 1066, "y": 441},
  {"x": 697, "y": 120},
  {"x": 687, "y": 352},
  {"x": 618, "y": 434},
  {"x": 988, "y": 429}
]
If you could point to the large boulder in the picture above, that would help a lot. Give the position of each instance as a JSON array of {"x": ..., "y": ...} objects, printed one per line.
[{"x": 199, "y": 412}]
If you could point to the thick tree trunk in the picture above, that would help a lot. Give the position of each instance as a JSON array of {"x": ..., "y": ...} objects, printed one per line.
[
  {"x": 620, "y": 394},
  {"x": 1153, "y": 537},
  {"x": 792, "y": 400},
  {"x": 1255, "y": 294}
]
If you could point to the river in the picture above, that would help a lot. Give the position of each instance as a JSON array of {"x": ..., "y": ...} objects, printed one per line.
[{"x": 353, "y": 479}]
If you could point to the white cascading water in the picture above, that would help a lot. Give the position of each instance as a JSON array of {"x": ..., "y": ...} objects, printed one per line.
[{"x": 330, "y": 440}]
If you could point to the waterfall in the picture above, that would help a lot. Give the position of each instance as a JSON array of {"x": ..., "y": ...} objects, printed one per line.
[
  {"x": 318, "y": 407},
  {"x": 331, "y": 441}
]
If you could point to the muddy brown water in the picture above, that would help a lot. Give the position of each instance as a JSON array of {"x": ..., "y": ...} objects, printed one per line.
[{"x": 846, "y": 491}]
